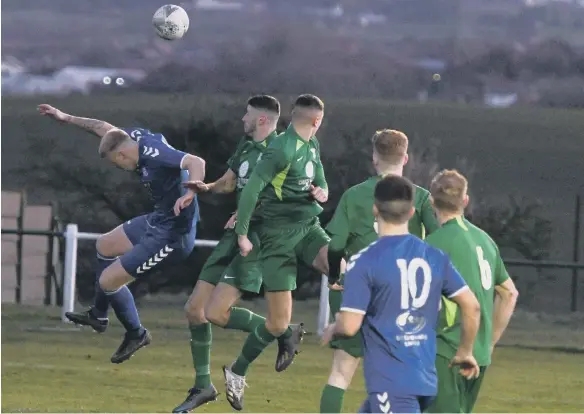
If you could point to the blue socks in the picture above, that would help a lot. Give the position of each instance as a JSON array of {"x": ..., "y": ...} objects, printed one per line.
[
  {"x": 101, "y": 303},
  {"x": 122, "y": 301},
  {"x": 125, "y": 308}
]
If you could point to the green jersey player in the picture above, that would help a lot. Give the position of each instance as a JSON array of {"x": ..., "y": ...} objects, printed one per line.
[
  {"x": 476, "y": 256},
  {"x": 283, "y": 194},
  {"x": 352, "y": 228},
  {"x": 226, "y": 273}
]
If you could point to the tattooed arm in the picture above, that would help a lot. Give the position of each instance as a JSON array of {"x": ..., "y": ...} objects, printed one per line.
[{"x": 95, "y": 126}]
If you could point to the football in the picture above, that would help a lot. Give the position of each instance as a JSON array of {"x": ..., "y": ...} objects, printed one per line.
[{"x": 171, "y": 22}]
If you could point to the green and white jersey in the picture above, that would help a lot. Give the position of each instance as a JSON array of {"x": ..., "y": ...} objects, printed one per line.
[
  {"x": 476, "y": 256},
  {"x": 353, "y": 226},
  {"x": 290, "y": 166},
  {"x": 246, "y": 157}
]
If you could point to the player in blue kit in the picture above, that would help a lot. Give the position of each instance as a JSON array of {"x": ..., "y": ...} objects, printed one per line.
[
  {"x": 392, "y": 293},
  {"x": 151, "y": 241}
]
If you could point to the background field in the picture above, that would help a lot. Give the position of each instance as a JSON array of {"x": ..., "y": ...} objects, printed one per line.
[
  {"x": 530, "y": 154},
  {"x": 50, "y": 367}
]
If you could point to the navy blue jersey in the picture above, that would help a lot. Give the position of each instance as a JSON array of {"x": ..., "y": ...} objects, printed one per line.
[
  {"x": 160, "y": 171},
  {"x": 397, "y": 283}
]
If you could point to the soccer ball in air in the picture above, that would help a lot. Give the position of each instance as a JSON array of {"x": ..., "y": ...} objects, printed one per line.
[{"x": 171, "y": 22}]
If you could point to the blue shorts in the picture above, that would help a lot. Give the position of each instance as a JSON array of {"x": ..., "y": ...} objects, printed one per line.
[
  {"x": 154, "y": 248},
  {"x": 383, "y": 402}
]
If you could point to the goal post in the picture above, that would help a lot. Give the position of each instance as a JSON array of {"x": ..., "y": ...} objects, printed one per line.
[{"x": 73, "y": 235}]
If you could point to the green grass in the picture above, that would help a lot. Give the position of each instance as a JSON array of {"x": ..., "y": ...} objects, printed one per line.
[{"x": 50, "y": 367}]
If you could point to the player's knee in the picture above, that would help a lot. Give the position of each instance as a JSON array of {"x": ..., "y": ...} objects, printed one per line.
[
  {"x": 277, "y": 326},
  {"x": 217, "y": 315},
  {"x": 194, "y": 312}
]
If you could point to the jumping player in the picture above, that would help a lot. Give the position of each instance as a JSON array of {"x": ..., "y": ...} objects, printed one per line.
[
  {"x": 148, "y": 242},
  {"x": 226, "y": 273},
  {"x": 392, "y": 293},
  {"x": 352, "y": 228},
  {"x": 477, "y": 258},
  {"x": 289, "y": 183}
]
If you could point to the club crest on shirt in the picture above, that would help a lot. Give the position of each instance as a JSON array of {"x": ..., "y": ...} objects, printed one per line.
[
  {"x": 243, "y": 169},
  {"x": 309, "y": 169}
]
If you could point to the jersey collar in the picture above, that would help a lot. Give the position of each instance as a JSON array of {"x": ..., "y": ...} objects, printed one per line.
[
  {"x": 459, "y": 220},
  {"x": 292, "y": 131}
]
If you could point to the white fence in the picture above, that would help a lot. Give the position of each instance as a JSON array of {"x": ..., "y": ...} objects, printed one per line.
[{"x": 73, "y": 235}]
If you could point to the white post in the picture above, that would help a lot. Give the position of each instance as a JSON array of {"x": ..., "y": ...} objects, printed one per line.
[
  {"x": 70, "y": 270},
  {"x": 323, "y": 306}
]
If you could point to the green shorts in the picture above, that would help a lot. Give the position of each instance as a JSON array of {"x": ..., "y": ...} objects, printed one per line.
[
  {"x": 353, "y": 345},
  {"x": 226, "y": 265},
  {"x": 456, "y": 394},
  {"x": 282, "y": 247}
]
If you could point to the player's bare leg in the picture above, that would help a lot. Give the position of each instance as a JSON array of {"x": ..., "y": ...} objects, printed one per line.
[
  {"x": 203, "y": 390},
  {"x": 342, "y": 372},
  {"x": 113, "y": 282},
  {"x": 109, "y": 246},
  {"x": 220, "y": 305},
  {"x": 320, "y": 262}
]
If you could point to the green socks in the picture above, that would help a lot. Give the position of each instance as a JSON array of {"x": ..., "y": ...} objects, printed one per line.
[
  {"x": 255, "y": 343},
  {"x": 244, "y": 320},
  {"x": 201, "y": 339},
  {"x": 331, "y": 400}
]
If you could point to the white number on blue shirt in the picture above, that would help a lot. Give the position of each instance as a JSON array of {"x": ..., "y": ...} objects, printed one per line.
[{"x": 409, "y": 284}]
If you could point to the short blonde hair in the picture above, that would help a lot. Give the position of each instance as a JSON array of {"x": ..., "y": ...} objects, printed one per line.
[
  {"x": 448, "y": 189},
  {"x": 390, "y": 145},
  {"x": 111, "y": 141}
]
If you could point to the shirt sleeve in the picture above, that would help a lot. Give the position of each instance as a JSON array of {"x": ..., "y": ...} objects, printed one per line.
[
  {"x": 155, "y": 152},
  {"x": 233, "y": 161},
  {"x": 319, "y": 178},
  {"x": 453, "y": 283},
  {"x": 428, "y": 217},
  {"x": 501, "y": 274},
  {"x": 247, "y": 202},
  {"x": 357, "y": 292}
]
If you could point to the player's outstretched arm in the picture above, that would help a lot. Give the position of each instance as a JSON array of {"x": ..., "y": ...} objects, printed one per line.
[
  {"x": 225, "y": 184},
  {"x": 506, "y": 295},
  {"x": 95, "y": 126}
]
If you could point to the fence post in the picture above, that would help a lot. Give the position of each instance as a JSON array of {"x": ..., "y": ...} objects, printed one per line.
[
  {"x": 19, "y": 247},
  {"x": 574, "y": 305},
  {"x": 323, "y": 306},
  {"x": 70, "y": 270}
]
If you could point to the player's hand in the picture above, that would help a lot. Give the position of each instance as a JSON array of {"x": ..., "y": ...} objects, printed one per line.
[
  {"x": 245, "y": 245},
  {"x": 231, "y": 222},
  {"x": 52, "y": 112},
  {"x": 183, "y": 202},
  {"x": 328, "y": 334},
  {"x": 319, "y": 194},
  {"x": 336, "y": 286},
  {"x": 197, "y": 186},
  {"x": 468, "y": 365}
]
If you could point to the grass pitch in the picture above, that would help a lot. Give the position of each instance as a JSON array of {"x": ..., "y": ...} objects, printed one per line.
[{"x": 51, "y": 367}]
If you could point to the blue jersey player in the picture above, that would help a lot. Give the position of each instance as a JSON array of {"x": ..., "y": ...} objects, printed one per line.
[
  {"x": 145, "y": 243},
  {"x": 392, "y": 292}
]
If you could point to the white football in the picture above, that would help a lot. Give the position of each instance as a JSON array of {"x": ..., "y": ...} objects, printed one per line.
[{"x": 171, "y": 22}]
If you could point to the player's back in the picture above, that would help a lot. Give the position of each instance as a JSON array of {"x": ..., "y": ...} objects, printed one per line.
[
  {"x": 476, "y": 256},
  {"x": 358, "y": 202},
  {"x": 406, "y": 278},
  {"x": 160, "y": 172}
]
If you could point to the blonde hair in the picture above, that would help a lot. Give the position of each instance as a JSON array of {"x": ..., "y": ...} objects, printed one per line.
[
  {"x": 390, "y": 145},
  {"x": 448, "y": 189},
  {"x": 111, "y": 141}
]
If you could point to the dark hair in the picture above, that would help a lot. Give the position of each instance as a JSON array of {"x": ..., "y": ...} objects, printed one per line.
[
  {"x": 394, "y": 198},
  {"x": 265, "y": 102},
  {"x": 309, "y": 101}
]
